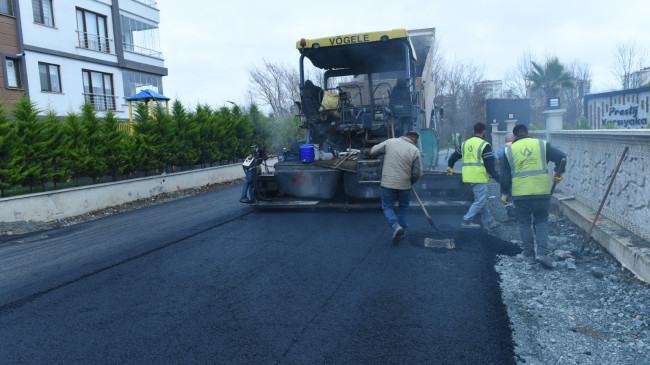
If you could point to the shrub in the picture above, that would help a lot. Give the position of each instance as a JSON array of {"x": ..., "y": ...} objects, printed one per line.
[{"x": 582, "y": 123}]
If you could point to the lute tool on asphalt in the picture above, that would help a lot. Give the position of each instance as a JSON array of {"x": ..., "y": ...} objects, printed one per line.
[{"x": 441, "y": 245}]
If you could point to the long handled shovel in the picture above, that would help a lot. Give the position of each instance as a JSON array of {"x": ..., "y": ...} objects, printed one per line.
[
  {"x": 439, "y": 245},
  {"x": 424, "y": 210}
]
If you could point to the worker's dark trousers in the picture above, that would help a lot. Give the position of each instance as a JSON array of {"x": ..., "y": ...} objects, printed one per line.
[
  {"x": 388, "y": 199},
  {"x": 533, "y": 211}
]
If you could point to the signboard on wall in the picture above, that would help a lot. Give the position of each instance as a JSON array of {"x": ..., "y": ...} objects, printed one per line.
[
  {"x": 624, "y": 109},
  {"x": 627, "y": 117}
]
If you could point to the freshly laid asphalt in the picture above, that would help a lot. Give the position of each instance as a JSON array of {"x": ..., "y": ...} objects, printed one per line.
[{"x": 206, "y": 279}]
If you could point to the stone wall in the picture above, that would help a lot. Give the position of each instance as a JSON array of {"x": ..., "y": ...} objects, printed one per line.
[{"x": 592, "y": 156}]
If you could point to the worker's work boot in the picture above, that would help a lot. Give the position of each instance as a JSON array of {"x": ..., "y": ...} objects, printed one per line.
[
  {"x": 493, "y": 224},
  {"x": 546, "y": 262},
  {"x": 398, "y": 233},
  {"x": 526, "y": 259},
  {"x": 244, "y": 199},
  {"x": 469, "y": 224}
]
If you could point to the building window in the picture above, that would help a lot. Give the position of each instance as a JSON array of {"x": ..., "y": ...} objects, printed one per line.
[
  {"x": 50, "y": 80},
  {"x": 134, "y": 82},
  {"x": 12, "y": 68},
  {"x": 6, "y": 7},
  {"x": 92, "y": 29},
  {"x": 98, "y": 90},
  {"x": 140, "y": 37},
  {"x": 43, "y": 12}
]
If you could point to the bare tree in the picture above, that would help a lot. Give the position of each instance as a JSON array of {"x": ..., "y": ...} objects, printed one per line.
[
  {"x": 438, "y": 69},
  {"x": 629, "y": 57},
  {"x": 457, "y": 94},
  {"x": 574, "y": 97},
  {"x": 516, "y": 82},
  {"x": 275, "y": 85}
]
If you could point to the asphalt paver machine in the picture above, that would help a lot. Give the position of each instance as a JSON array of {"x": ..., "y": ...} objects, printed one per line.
[{"x": 372, "y": 89}]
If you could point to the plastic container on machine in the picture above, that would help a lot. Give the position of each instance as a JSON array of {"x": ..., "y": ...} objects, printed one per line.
[
  {"x": 307, "y": 153},
  {"x": 316, "y": 153}
]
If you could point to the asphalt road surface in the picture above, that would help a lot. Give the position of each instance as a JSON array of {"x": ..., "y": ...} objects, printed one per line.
[{"x": 206, "y": 279}]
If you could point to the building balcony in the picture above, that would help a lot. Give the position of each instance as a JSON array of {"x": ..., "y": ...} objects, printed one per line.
[
  {"x": 141, "y": 50},
  {"x": 149, "y": 3},
  {"x": 102, "y": 102},
  {"x": 95, "y": 42}
]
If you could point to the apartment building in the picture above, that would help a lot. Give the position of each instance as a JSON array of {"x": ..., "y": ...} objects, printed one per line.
[
  {"x": 74, "y": 51},
  {"x": 10, "y": 77}
]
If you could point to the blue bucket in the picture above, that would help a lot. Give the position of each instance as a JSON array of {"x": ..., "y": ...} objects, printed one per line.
[{"x": 307, "y": 153}]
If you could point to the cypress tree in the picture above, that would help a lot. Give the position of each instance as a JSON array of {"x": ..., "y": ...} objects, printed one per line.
[
  {"x": 9, "y": 172},
  {"x": 78, "y": 156},
  {"x": 165, "y": 129},
  {"x": 263, "y": 130},
  {"x": 186, "y": 141},
  {"x": 244, "y": 130},
  {"x": 54, "y": 169},
  {"x": 210, "y": 135},
  {"x": 31, "y": 151},
  {"x": 115, "y": 145},
  {"x": 95, "y": 142},
  {"x": 226, "y": 134},
  {"x": 146, "y": 140}
]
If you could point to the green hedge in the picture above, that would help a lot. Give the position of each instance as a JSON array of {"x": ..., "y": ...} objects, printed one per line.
[{"x": 49, "y": 152}]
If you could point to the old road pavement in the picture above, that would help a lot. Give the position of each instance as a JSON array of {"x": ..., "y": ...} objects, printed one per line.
[{"x": 206, "y": 279}]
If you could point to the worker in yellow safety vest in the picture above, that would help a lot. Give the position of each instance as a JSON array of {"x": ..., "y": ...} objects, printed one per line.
[
  {"x": 478, "y": 162},
  {"x": 455, "y": 140},
  {"x": 525, "y": 177}
]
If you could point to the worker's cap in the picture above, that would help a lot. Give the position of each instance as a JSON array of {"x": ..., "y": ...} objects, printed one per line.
[{"x": 510, "y": 137}]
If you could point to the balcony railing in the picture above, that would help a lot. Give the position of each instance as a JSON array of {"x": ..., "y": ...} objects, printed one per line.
[
  {"x": 101, "y": 101},
  {"x": 150, "y": 3},
  {"x": 141, "y": 50},
  {"x": 94, "y": 42}
]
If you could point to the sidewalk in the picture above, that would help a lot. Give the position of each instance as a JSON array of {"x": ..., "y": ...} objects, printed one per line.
[{"x": 629, "y": 249}]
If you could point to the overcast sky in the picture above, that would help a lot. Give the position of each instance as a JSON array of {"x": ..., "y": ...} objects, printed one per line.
[{"x": 210, "y": 46}]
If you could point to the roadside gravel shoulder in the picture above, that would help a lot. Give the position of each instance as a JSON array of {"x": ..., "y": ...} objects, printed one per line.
[{"x": 589, "y": 310}]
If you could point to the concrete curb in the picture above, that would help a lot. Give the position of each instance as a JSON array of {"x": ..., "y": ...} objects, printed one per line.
[
  {"x": 633, "y": 254},
  {"x": 65, "y": 203}
]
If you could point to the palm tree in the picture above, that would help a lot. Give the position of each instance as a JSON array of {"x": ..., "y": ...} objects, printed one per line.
[{"x": 551, "y": 78}]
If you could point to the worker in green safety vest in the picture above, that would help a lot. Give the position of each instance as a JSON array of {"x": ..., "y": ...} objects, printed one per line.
[
  {"x": 525, "y": 177},
  {"x": 455, "y": 140},
  {"x": 478, "y": 162}
]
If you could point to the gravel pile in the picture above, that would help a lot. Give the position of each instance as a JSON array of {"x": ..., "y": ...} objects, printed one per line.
[{"x": 588, "y": 310}]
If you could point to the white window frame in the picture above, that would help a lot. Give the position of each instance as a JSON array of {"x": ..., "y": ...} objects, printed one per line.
[
  {"x": 107, "y": 100},
  {"x": 12, "y": 74},
  {"x": 7, "y": 7},
  {"x": 49, "y": 77},
  {"x": 93, "y": 30}
]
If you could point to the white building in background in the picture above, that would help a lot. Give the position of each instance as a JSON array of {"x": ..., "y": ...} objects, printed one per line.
[
  {"x": 640, "y": 78},
  {"x": 99, "y": 51},
  {"x": 493, "y": 89}
]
